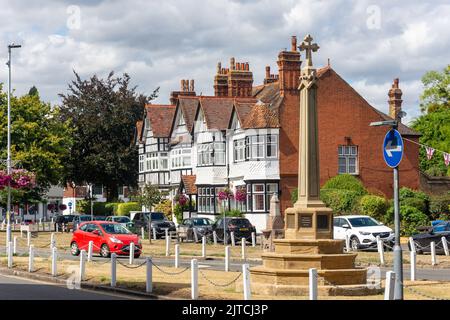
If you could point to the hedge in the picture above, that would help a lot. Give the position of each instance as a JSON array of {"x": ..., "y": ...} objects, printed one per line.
[
  {"x": 373, "y": 206},
  {"x": 440, "y": 206},
  {"x": 123, "y": 209},
  {"x": 99, "y": 208},
  {"x": 411, "y": 218},
  {"x": 341, "y": 201},
  {"x": 346, "y": 182}
]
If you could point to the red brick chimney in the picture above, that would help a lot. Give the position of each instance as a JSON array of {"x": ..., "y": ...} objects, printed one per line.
[
  {"x": 185, "y": 90},
  {"x": 240, "y": 79},
  {"x": 270, "y": 77},
  {"x": 289, "y": 66},
  {"x": 395, "y": 101},
  {"x": 221, "y": 81}
]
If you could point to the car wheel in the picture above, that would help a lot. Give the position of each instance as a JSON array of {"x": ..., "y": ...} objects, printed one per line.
[
  {"x": 74, "y": 250},
  {"x": 104, "y": 251},
  {"x": 354, "y": 243},
  {"x": 136, "y": 256}
]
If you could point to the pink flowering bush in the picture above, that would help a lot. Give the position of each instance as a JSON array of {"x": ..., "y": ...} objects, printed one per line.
[{"x": 240, "y": 195}]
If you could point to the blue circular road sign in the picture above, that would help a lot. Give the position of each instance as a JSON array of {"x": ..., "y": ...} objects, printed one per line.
[
  {"x": 70, "y": 204},
  {"x": 393, "y": 148}
]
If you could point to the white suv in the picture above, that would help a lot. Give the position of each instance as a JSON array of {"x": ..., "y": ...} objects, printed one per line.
[{"x": 362, "y": 231}]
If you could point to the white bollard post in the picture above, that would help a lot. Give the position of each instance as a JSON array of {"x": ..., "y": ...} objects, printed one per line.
[
  {"x": 312, "y": 284},
  {"x": 215, "y": 237},
  {"x": 113, "y": 269},
  {"x": 412, "y": 244},
  {"x": 445, "y": 245},
  {"x": 142, "y": 233},
  {"x": 28, "y": 238},
  {"x": 167, "y": 243},
  {"x": 90, "y": 248},
  {"x": 54, "y": 260},
  {"x": 380, "y": 247},
  {"x": 149, "y": 280},
  {"x": 243, "y": 243},
  {"x": 57, "y": 228},
  {"x": 433, "y": 253},
  {"x": 195, "y": 235},
  {"x": 412, "y": 255},
  {"x": 52, "y": 241},
  {"x": 154, "y": 233},
  {"x": 131, "y": 253},
  {"x": 194, "y": 279},
  {"x": 31, "y": 259},
  {"x": 253, "y": 239},
  {"x": 177, "y": 256},
  {"x": 233, "y": 242},
  {"x": 82, "y": 265},
  {"x": 15, "y": 245},
  {"x": 227, "y": 258},
  {"x": 10, "y": 255},
  {"x": 347, "y": 243},
  {"x": 246, "y": 280},
  {"x": 203, "y": 247},
  {"x": 390, "y": 285}
]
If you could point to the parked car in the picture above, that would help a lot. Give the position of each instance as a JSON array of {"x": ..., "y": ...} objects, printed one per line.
[
  {"x": 362, "y": 231},
  {"x": 64, "y": 222},
  {"x": 158, "y": 221},
  {"x": 438, "y": 229},
  {"x": 241, "y": 227},
  {"x": 100, "y": 218},
  {"x": 80, "y": 219},
  {"x": 202, "y": 226},
  {"x": 108, "y": 237},
  {"x": 123, "y": 220}
]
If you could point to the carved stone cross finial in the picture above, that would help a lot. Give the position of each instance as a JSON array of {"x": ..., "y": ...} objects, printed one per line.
[{"x": 308, "y": 47}]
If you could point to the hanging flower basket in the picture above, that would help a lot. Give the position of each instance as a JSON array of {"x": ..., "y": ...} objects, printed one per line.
[
  {"x": 19, "y": 179},
  {"x": 225, "y": 195},
  {"x": 51, "y": 206},
  {"x": 181, "y": 199},
  {"x": 62, "y": 207},
  {"x": 240, "y": 195}
]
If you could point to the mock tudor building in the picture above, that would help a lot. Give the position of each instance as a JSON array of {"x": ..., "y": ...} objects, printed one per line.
[{"x": 245, "y": 138}]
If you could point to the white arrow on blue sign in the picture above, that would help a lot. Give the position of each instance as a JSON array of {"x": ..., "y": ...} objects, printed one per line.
[
  {"x": 393, "y": 148},
  {"x": 70, "y": 204}
]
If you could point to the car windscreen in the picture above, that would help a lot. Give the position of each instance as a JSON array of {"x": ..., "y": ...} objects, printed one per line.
[
  {"x": 201, "y": 222},
  {"x": 113, "y": 228},
  {"x": 85, "y": 218},
  {"x": 156, "y": 216},
  {"x": 99, "y": 218},
  {"x": 363, "y": 222},
  {"x": 122, "y": 219},
  {"x": 240, "y": 223}
]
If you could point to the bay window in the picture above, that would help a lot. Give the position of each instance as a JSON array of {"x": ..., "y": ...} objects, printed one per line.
[
  {"x": 259, "y": 195},
  {"x": 209, "y": 154},
  {"x": 256, "y": 147}
]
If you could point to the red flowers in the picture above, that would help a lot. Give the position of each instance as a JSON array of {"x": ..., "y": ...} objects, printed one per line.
[
  {"x": 240, "y": 195},
  {"x": 19, "y": 179},
  {"x": 182, "y": 199},
  {"x": 225, "y": 195}
]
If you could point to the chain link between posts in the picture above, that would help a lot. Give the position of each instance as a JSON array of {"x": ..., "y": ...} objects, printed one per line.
[
  {"x": 170, "y": 273},
  {"x": 217, "y": 284}
]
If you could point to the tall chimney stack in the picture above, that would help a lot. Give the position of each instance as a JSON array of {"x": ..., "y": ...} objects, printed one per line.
[
  {"x": 293, "y": 43},
  {"x": 267, "y": 72},
  {"x": 395, "y": 101}
]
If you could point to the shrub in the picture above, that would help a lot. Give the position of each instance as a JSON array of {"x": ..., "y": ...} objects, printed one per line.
[
  {"x": 165, "y": 207},
  {"x": 178, "y": 212},
  {"x": 341, "y": 201},
  {"x": 233, "y": 213},
  {"x": 414, "y": 198},
  {"x": 440, "y": 205},
  {"x": 112, "y": 206},
  {"x": 99, "y": 208},
  {"x": 123, "y": 209},
  {"x": 417, "y": 203},
  {"x": 373, "y": 206},
  {"x": 410, "y": 219},
  {"x": 346, "y": 182}
]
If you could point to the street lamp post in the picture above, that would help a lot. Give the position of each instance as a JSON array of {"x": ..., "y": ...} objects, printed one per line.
[
  {"x": 398, "y": 254},
  {"x": 8, "y": 160}
]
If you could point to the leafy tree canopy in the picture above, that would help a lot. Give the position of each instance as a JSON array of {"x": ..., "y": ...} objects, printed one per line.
[{"x": 103, "y": 115}]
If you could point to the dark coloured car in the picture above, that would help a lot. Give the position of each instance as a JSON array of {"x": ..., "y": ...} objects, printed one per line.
[
  {"x": 64, "y": 222},
  {"x": 241, "y": 227},
  {"x": 434, "y": 233},
  {"x": 100, "y": 218},
  {"x": 202, "y": 226},
  {"x": 157, "y": 221}
]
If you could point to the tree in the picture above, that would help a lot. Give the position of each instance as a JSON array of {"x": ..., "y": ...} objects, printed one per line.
[
  {"x": 39, "y": 142},
  {"x": 149, "y": 196},
  {"x": 103, "y": 114},
  {"x": 33, "y": 91},
  {"x": 434, "y": 123}
]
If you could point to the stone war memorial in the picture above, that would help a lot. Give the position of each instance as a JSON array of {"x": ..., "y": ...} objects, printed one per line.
[{"x": 308, "y": 241}]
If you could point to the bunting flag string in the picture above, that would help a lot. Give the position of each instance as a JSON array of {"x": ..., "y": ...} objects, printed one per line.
[{"x": 430, "y": 151}]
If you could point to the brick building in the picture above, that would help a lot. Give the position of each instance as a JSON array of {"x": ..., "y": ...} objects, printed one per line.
[{"x": 254, "y": 139}]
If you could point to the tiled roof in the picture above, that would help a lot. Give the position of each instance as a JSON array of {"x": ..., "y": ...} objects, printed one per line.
[
  {"x": 189, "y": 184},
  {"x": 188, "y": 107},
  {"x": 261, "y": 116},
  {"x": 160, "y": 117},
  {"x": 217, "y": 111},
  {"x": 139, "y": 125}
]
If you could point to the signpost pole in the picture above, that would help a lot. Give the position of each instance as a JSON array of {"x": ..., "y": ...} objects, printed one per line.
[{"x": 398, "y": 255}]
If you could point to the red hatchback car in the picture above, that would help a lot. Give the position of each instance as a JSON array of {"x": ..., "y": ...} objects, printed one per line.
[{"x": 107, "y": 237}]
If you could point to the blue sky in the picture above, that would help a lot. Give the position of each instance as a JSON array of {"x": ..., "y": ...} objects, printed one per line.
[{"x": 160, "y": 42}]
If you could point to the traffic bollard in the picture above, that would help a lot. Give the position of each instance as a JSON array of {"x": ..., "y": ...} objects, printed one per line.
[
  {"x": 227, "y": 258},
  {"x": 253, "y": 239},
  {"x": 82, "y": 265},
  {"x": 154, "y": 233},
  {"x": 380, "y": 247},
  {"x": 203, "y": 247},
  {"x": 412, "y": 255},
  {"x": 15, "y": 245},
  {"x": 142, "y": 233},
  {"x": 215, "y": 237},
  {"x": 90, "y": 249},
  {"x": 10, "y": 255},
  {"x": 54, "y": 260},
  {"x": 433, "y": 253},
  {"x": 113, "y": 269},
  {"x": 233, "y": 241},
  {"x": 31, "y": 259},
  {"x": 149, "y": 280},
  {"x": 312, "y": 284},
  {"x": 167, "y": 243},
  {"x": 194, "y": 279},
  {"x": 389, "y": 286},
  {"x": 28, "y": 238},
  {"x": 246, "y": 282},
  {"x": 177, "y": 256},
  {"x": 243, "y": 248},
  {"x": 131, "y": 253},
  {"x": 445, "y": 245}
]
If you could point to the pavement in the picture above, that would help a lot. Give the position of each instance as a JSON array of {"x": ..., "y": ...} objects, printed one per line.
[{"x": 18, "y": 288}]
